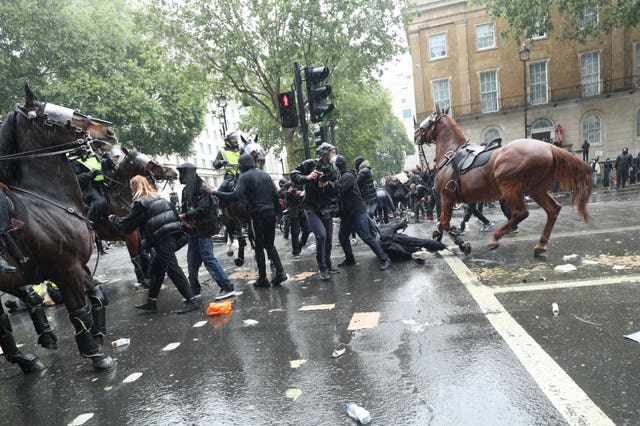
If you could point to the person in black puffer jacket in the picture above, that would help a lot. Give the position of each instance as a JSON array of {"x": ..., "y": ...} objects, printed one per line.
[
  {"x": 261, "y": 194},
  {"x": 366, "y": 185},
  {"x": 320, "y": 202},
  {"x": 159, "y": 225},
  {"x": 199, "y": 211}
]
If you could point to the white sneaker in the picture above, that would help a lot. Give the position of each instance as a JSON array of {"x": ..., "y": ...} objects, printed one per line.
[
  {"x": 421, "y": 255},
  {"x": 225, "y": 294}
]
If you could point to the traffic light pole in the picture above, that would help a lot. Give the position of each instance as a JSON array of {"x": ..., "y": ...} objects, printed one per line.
[
  {"x": 333, "y": 133},
  {"x": 304, "y": 128}
]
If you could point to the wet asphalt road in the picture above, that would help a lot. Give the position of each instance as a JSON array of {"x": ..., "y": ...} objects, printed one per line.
[{"x": 460, "y": 340}]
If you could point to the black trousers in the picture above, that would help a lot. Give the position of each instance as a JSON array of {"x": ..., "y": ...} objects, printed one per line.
[
  {"x": 163, "y": 262},
  {"x": 264, "y": 232}
]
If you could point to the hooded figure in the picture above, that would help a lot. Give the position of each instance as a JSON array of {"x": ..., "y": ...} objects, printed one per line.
[
  {"x": 191, "y": 181},
  {"x": 261, "y": 194}
]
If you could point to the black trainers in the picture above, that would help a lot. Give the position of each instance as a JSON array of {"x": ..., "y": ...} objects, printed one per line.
[
  {"x": 225, "y": 294},
  {"x": 324, "y": 275},
  {"x": 189, "y": 306},
  {"x": 333, "y": 270},
  {"x": 347, "y": 262},
  {"x": 148, "y": 306},
  {"x": 279, "y": 278},
  {"x": 262, "y": 282},
  {"x": 385, "y": 265}
]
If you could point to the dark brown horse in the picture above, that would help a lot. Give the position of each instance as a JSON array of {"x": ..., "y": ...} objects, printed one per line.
[
  {"x": 118, "y": 196},
  {"x": 521, "y": 166},
  {"x": 56, "y": 236}
]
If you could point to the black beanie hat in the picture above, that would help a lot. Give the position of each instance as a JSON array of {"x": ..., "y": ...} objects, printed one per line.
[{"x": 359, "y": 160}]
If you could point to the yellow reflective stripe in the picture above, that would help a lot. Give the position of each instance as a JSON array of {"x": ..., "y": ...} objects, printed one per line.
[
  {"x": 232, "y": 157},
  {"x": 91, "y": 164}
]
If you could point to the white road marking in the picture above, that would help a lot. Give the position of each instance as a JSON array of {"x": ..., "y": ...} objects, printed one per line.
[
  {"x": 568, "y": 398},
  {"x": 628, "y": 279}
]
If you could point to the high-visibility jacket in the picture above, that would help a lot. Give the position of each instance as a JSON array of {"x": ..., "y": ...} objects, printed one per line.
[
  {"x": 91, "y": 164},
  {"x": 232, "y": 158}
]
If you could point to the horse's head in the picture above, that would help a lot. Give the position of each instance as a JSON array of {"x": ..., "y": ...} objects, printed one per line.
[
  {"x": 257, "y": 153},
  {"x": 136, "y": 163},
  {"x": 426, "y": 133},
  {"x": 61, "y": 125}
]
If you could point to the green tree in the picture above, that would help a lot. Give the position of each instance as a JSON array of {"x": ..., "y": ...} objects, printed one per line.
[
  {"x": 249, "y": 46},
  {"x": 526, "y": 18},
  {"x": 97, "y": 57}
]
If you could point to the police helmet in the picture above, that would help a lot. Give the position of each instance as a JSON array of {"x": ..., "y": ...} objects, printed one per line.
[
  {"x": 186, "y": 166},
  {"x": 232, "y": 139}
]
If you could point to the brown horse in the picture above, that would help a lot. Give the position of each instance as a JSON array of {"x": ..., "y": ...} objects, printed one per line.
[
  {"x": 118, "y": 196},
  {"x": 56, "y": 236},
  {"x": 521, "y": 166}
]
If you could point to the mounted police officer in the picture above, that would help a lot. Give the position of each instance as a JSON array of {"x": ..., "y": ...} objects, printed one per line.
[
  {"x": 90, "y": 172},
  {"x": 228, "y": 158}
]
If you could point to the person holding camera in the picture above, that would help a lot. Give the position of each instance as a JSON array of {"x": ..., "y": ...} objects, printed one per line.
[
  {"x": 293, "y": 199},
  {"x": 320, "y": 202},
  {"x": 160, "y": 226}
]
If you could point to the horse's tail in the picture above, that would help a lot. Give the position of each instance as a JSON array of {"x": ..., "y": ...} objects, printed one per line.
[{"x": 576, "y": 175}]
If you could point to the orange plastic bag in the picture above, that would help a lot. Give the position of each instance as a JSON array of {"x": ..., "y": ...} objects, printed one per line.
[{"x": 219, "y": 308}]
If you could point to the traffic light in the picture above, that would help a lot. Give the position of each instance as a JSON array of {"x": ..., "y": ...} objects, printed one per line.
[
  {"x": 321, "y": 135},
  {"x": 288, "y": 112},
  {"x": 316, "y": 92}
]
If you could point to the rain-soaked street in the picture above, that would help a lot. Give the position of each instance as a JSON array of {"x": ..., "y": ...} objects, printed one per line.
[{"x": 459, "y": 340}]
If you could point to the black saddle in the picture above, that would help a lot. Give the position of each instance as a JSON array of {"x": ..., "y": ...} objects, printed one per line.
[{"x": 469, "y": 156}]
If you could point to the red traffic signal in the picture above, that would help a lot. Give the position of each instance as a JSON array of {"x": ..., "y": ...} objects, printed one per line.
[{"x": 288, "y": 111}]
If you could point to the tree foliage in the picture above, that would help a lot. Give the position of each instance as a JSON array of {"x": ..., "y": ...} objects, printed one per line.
[
  {"x": 97, "y": 57},
  {"x": 562, "y": 18},
  {"x": 249, "y": 46}
]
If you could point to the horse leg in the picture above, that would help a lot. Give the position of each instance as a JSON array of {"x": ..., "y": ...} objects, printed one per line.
[
  {"x": 519, "y": 213},
  {"x": 27, "y": 362},
  {"x": 229, "y": 233},
  {"x": 81, "y": 317},
  {"x": 445, "y": 225},
  {"x": 242, "y": 243},
  {"x": 46, "y": 337},
  {"x": 552, "y": 208}
]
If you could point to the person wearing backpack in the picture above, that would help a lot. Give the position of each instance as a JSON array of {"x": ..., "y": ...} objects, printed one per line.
[{"x": 199, "y": 212}]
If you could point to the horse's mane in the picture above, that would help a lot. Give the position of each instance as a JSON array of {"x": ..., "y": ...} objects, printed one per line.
[{"x": 8, "y": 169}]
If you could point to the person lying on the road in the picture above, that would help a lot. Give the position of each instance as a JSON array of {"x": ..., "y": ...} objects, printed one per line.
[{"x": 400, "y": 246}]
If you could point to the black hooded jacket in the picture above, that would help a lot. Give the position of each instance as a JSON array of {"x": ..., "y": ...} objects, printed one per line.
[
  {"x": 154, "y": 216},
  {"x": 323, "y": 200},
  {"x": 256, "y": 187},
  {"x": 199, "y": 207},
  {"x": 365, "y": 183},
  {"x": 351, "y": 202}
]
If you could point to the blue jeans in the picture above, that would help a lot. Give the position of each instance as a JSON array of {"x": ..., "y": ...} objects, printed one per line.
[
  {"x": 322, "y": 228},
  {"x": 360, "y": 225},
  {"x": 199, "y": 251}
]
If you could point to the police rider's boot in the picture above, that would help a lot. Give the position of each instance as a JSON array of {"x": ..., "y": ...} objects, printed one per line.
[
  {"x": 4, "y": 265},
  {"x": 148, "y": 306}
]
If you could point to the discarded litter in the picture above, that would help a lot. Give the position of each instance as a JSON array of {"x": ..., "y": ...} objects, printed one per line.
[
  {"x": 250, "y": 322},
  {"x": 293, "y": 394},
  {"x": 296, "y": 363},
  {"x": 634, "y": 336},
  {"x": 569, "y": 257},
  {"x": 120, "y": 342},
  {"x": 565, "y": 268},
  {"x": 199, "y": 324},
  {"x": 338, "y": 351},
  {"x": 171, "y": 346},
  {"x": 132, "y": 377},
  {"x": 357, "y": 412},
  {"x": 219, "y": 308},
  {"x": 81, "y": 419},
  {"x": 325, "y": 307},
  {"x": 554, "y": 309},
  {"x": 617, "y": 267}
]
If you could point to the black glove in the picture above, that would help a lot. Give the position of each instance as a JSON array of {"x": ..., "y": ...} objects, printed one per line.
[{"x": 95, "y": 173}]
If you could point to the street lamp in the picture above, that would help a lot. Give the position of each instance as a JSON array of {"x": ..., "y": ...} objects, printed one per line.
[
  {"x": 524, "y": 57},
  {"x": 222, "y": 104}
]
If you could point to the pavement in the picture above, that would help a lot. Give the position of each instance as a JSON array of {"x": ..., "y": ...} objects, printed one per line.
[{"x": 453, "y": 340}]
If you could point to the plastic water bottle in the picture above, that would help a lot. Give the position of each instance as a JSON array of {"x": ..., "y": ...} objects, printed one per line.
[
  {"x": 555, "y": 309},
  {"x": 120, "y": 342},
  {"x": 357, "y": 412}
]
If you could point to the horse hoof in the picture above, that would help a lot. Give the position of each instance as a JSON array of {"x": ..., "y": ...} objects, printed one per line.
[
  {"x": 229, "y": 253},
  {"x": 540, "y": 253},
  {"x": 466, "y": 248},
  {"x": 238, "y": 261},
  {"x": 104, "y": 364},
  {"x": 493, "y": 246},
  {"x": 48, "y": 340},
  {"x": 437, "y": 236}
]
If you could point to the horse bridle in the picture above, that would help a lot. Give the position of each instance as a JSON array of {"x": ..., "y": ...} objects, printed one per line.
[{"x": 432, "y": 123}]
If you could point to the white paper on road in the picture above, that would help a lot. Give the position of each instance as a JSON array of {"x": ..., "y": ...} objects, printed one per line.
[
  {"x": 634, "y": 336},
  {"x": 199, "y": 324},
  {"x": 296, "y": 363},
  {"x": 171, "y": 346},
  {"x": 132, "y": 377},
  {"x": 250, "y": 322},
  {"x": 81, "y": 419},
  {"x": 566, "y": 268},
  {"x": 293, "y": 393},
  {"x": 361, "y": 320},
  {"x": 326, "y": 307}
]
